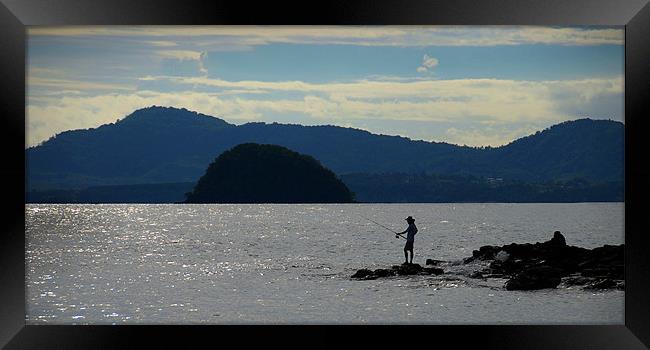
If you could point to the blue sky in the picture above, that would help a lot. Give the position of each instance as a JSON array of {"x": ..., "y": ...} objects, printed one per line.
[{"x": 465, "y": 85}]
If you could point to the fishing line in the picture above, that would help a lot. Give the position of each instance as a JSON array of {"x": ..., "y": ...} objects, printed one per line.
[{"x": 375, "y": 222}]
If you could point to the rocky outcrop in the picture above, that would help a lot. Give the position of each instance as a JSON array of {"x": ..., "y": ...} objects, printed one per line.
[
  {"x": 544, "y": 265},
  {"x": 532, "y": 266},
  {"x": 592, "y": 283},
  {"x": 539, "y": 277},
  {"x": 433, "y": 262},
  {"x": 397, "y": 270}
]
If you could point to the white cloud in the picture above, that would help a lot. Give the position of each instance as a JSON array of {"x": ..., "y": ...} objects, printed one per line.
[
  {"x": 454, "y": 90},
  {"x": 181, "y": 55},
  {"x": 161, "y": 43},
  {"x": 359, "y": 35},
  {"x": 33, "y": 70},
  {"x": 73, "y": 85},
  {"x": 202, "y": 58},
  {"x": 428, "y": 63},
  {"x": 494, "y": 137},
  {"x": 186, "y": 55},
  {"x": 490, "y": 102}
]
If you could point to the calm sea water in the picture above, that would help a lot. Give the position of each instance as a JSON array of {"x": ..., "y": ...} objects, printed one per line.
[{"x": 258, "y": 264}]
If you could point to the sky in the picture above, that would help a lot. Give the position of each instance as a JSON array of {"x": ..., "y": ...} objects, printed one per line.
[{"x": 467, "y": 85}]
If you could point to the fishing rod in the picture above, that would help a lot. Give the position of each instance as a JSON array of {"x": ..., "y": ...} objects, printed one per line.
[{"x": 375, "y": 222}]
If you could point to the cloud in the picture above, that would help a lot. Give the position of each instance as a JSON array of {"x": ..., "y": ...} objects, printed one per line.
[
  {"x": 456, "y": 91},
  {"x": 401, "y": 36},
  {"x": 74, "y": 85},
  {"x": 57, "y": 102},
  {"x": 202, "y": 58},
  {"x": 428, "y": 63},
  {"x": 490, "y": 102},
  {"x": 181, "y": 55},
  {"x": 186, "y": 55},
  {"x": 161, "y": 43},
  {"x": 480, "y": 135},
  {"x": 34, "y": 70}
]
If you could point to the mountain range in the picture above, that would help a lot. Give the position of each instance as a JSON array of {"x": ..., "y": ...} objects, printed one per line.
[{"x": 157, "y": 145}]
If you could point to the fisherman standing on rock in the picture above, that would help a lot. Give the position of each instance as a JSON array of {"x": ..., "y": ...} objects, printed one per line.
[{"x": 410, "y": 238}]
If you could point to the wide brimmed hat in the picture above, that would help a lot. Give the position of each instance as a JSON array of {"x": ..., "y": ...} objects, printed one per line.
[{"x": 410, "y": 218}]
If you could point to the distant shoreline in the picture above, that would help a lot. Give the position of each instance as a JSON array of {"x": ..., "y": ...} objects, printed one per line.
[{"x": 390, "y": 188}]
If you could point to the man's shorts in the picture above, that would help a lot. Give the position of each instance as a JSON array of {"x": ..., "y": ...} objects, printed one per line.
[{"x": 409, "y": 245}]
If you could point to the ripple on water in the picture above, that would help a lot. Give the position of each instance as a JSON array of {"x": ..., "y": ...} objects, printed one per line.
[{"x": 291, "y": 263}]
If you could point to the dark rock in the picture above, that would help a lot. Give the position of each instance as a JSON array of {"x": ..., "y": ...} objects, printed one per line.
[
  {"x": 607, "y": 253},
  {"x": 614, "y": 272},
  {"x": 593, "y": 283},
  {"x": 401, "y": 270},
  {"x": 522, "y": 263},
  {"x": 468, "y": 260},
  {"x": 502, "y": 256},
  {"x": 408, "y": 269},
  {"x": 384, "y": 273},
  {"x": 577, "y": 281},
  {"x": 539, "y": 277},
  {"x": 363, "y": 273},
  {"x": 522, "y": 251},
  {"x": 433, "y": 262},
  {"x": 602, "y": 284},
  {"x": 476, "y": 274},
  {"x": 511, "y": 266},
  {"x": 487, "y": 252}
]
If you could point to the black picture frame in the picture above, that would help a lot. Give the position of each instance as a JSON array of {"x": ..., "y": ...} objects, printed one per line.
[{"x": 15, "y": 15}]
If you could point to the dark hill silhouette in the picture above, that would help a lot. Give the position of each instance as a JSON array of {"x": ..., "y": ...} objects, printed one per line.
[
  {"x": 253, "y": 173},
  {"x": 164, "y": 145},
  {"x": 432, "y": 188},
  {"x": 155, "y": 144},
  {"x": 583, "y": 148},
  {"x": 138, "y": 193}
]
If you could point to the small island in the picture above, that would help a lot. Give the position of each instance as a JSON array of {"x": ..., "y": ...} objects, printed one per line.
[{"x": 256, "y": 173}]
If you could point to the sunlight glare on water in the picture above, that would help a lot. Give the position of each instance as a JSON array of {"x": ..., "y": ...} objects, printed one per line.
[{"x": 188, "y": 264}]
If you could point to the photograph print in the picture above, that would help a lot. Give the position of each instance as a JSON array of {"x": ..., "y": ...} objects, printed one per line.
[{"x": 325, "y": 175}]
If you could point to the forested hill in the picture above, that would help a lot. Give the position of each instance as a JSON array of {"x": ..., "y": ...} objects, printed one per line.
[
  {"x": 254, "y": 173},
  {"x": 583, "y": 148},
  {"x": 165, "y": 145}
]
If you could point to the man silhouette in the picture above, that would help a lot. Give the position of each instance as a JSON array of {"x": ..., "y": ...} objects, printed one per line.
[
  {"x": 558, "y": 239},
  {"x": 410, "y": 238}
]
